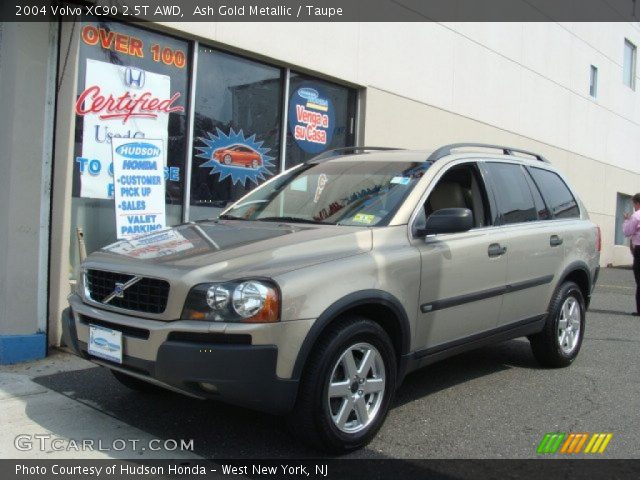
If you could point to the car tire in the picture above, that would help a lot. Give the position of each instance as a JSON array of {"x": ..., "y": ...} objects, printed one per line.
[
  {"x": 558, "y": 344},
  {"x": 227, "y": 159},
  {"x": 136, "y": 384},
  {"x": 255, "y": 164},
  {"x": 316, "y": 416}
]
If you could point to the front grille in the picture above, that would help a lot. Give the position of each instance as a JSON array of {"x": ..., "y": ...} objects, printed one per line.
[{"x": 147, "y": 295}]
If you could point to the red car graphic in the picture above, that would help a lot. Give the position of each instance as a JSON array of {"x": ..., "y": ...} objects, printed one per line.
[{"x": 238, "y": 155}]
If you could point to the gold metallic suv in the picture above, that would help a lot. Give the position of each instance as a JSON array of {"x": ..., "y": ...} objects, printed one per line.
[{"x": 315, "y": 294}]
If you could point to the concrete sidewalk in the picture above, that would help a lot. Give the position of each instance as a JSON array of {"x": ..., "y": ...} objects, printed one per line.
[{"x": 49, "y": 424}]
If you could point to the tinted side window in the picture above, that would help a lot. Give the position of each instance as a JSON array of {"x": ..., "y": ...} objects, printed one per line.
[
  {"x": 543, "y": 211},
  {"x": 513, "y": 195},
  {"x": 556, "y": 193}
]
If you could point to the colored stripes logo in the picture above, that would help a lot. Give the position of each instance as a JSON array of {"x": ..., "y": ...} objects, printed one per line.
[{"x": 571, "y": 443}]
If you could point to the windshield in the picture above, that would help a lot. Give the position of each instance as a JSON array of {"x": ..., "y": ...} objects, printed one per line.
[{"x": 365, "y": 193}]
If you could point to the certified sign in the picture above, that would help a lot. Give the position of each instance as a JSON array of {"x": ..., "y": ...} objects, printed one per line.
[
  {"x": 139, "y": 186},
  {"x": 119, "y": 103}
]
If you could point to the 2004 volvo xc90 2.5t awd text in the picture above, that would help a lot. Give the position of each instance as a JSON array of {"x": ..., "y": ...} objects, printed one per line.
[{"x": 315, "y": 294}]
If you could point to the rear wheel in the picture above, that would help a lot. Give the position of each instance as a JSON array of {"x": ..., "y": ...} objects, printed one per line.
[
  {"x": 136, "y": 384},
  {"x": 559, "y": 342},
  {"x": 347, "y": 388}
]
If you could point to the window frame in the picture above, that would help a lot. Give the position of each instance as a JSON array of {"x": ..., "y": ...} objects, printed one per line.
[
  {"x": 618, "y": 221},
  {"x": 485, "y": 185},
  {"x": 285, "y": 79},
  {"x": 632, "y": 68},
  {"x": 593, "y": 81}
]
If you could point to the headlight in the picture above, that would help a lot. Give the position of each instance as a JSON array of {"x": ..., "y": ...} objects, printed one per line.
[{"x": 251, "y": 301}]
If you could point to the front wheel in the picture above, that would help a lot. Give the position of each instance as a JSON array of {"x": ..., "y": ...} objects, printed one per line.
[
  {"x": 347, "y": 387},
  {"x": 559, "y": 342}
]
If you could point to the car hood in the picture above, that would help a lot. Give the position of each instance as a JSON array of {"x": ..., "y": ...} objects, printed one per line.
[{"x": 229, "y": 248}]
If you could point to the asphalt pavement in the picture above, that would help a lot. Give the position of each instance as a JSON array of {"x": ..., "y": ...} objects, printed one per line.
[{"x": 495, "y": 402}]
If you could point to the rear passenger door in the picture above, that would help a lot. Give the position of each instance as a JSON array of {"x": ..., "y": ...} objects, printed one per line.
[{"x": 534, "y": 245}]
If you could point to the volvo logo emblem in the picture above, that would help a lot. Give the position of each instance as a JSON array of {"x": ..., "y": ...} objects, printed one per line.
[
  {"x": 119, "y": 288},
  {"x": 134, "y": 77}
]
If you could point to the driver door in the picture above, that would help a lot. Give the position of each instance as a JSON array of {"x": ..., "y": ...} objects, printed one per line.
[{"x": 463, "y": 274}]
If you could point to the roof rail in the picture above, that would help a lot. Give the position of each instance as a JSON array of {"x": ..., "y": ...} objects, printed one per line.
[
  {"x": 447, "y": 150},
  {"x": 347, "y": 150}
]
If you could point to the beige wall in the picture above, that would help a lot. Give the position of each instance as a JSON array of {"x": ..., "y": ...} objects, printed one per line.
[
  {"x": 27, "y": 59},
  {"x": 62, "y": 185},
  {"x": 391, "y": 120}
]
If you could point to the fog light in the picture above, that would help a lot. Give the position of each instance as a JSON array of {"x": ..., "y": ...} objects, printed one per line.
[{"x": 208, "y": 387}]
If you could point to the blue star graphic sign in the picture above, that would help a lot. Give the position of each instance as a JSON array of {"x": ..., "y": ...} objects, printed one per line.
[{"x": 236, "y": 156}]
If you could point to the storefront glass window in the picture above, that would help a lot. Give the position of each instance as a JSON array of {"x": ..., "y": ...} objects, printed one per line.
[
  {"x": 132, "y": 83},
  {"x": 236, "y": 129}
]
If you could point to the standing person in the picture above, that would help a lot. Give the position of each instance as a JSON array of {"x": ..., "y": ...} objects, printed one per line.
[{"x": 631, "y": 229}]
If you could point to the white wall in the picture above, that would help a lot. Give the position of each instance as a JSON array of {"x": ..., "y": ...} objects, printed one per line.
[{"x": 527, "y": 78}]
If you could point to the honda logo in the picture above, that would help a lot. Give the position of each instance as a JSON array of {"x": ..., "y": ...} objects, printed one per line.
[{"x": 134, "y": 77}]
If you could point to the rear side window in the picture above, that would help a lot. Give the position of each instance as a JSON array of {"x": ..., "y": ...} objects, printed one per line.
[
  {"x": 513, "y": 195},
  {"x": 543, "y": 211},
  {"x": 556, "y": 193}
]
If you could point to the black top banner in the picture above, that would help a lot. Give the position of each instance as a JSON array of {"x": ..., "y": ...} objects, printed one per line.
[{"x": 326, "y": 10}]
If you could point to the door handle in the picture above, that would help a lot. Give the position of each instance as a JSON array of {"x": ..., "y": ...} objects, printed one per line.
[
  {"x": 495, "y": 250},
  {"x": 555, "y": 240}
]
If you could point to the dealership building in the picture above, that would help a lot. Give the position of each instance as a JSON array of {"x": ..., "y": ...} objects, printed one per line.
[{"x": 226, "y": 106}]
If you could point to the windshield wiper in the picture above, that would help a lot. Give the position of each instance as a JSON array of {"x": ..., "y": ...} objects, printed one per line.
[{"x": 289, "y": 220}]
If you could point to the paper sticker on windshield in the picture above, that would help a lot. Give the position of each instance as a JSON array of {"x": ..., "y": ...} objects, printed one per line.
[
  {"x": 401, "y": 180},
  {"x": 299, "y": 184},
  {"x": 364, "y": 218},
  {"x": 322, "y": 181}
]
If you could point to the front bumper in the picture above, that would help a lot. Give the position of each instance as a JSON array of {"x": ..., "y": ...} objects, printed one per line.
[{"x": 243, "y": 373}]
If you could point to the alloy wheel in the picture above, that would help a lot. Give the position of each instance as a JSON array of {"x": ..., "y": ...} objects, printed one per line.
[
  {"x": 569, "y": 325},
  {"x": 356, "y": 388}
]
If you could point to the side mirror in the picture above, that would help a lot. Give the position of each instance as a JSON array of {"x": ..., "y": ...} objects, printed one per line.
[{"x": 448, "y": 220}]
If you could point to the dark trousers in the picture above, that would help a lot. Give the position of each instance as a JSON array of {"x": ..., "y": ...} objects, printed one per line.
[{"x": 636, "y": 274}]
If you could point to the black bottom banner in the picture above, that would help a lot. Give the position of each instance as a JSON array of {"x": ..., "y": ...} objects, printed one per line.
[{"x": 319, "y": 469}]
